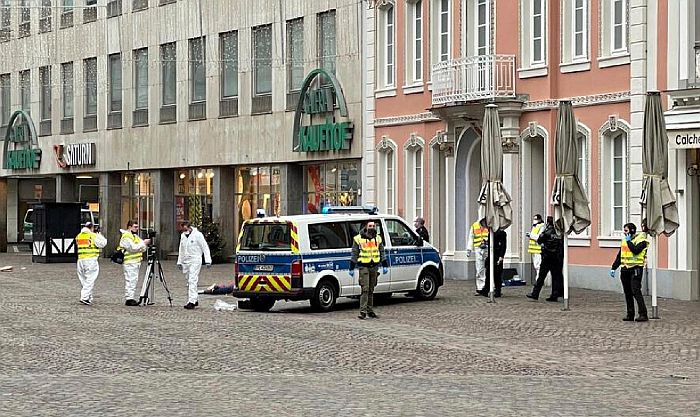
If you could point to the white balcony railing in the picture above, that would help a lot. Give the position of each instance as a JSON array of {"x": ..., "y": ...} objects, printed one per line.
[{"x": 473, "y": 78}]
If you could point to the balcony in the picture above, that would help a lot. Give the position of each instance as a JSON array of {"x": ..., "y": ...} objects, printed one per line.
[{"x": 473, "y": 78}]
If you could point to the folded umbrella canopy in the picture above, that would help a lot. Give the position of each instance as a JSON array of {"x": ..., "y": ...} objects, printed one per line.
[
  {"x": 494, "y": 201},
  {"x": 659, "y": 210},
  {"x": 572, "y": 211}
]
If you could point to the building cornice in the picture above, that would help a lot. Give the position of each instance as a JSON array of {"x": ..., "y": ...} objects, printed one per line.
[
  {"x": 579, "y": 101},
  {"x": 407, "y": 119}
]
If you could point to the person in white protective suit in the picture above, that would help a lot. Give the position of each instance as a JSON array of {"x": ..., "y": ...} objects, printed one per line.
[
  {"x": 89, "y": 245},
  {"x": 133, "y": 247},
  {"x": 189, "y": 259}
]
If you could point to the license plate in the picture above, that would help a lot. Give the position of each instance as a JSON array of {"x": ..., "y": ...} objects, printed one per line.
[{"x": 265, "y": 268}]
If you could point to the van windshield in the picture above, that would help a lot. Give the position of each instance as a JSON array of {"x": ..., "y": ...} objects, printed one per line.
[{"x": 266, "y": 236}]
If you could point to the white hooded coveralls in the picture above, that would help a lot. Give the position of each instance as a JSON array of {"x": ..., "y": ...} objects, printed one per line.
[
  {"x": 89, "y": 268},
  {"x": 192, "y": 248},
  {"x": 131, "y": 244}
]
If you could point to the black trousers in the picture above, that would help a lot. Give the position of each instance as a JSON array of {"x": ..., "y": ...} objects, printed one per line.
[
  {"x": 554, "y": 265},
  {"x": 632, "y": 285},
  {"x": 497, "y": 277}
]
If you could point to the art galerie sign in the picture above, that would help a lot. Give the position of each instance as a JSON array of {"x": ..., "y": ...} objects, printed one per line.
[
  {"x": 21, "y": 148},
  {"x": 318, "y": 125},
  {"x": 75, "y": 155}
]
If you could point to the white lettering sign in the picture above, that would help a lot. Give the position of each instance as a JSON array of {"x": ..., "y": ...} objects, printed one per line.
[
  {"x": 684, "y": 139},
  {"x": 76, "y": 154}
]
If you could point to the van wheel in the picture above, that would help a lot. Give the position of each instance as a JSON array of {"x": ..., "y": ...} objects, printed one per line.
[
  {"x": 427, "y": 286},
  {"x": 324, "y": 297},
  {"x": 262, "y": 305}
]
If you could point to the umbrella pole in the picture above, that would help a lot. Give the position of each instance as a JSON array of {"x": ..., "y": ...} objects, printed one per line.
[
  {"x": 566, "y": 272},
  {"x": 492, "y": 273},
  {"x": 655, "y": 260}
]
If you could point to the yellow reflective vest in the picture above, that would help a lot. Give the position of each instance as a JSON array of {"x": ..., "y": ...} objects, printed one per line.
[
  {"x": 369, "y": 250},
  {"x": 86, "y": 246},
  {"x": 131, "y": 257},
  {"x": 627, "y": 258},
  {"x": 534, "y": 247},
  {"x": 480, "y": 233}
]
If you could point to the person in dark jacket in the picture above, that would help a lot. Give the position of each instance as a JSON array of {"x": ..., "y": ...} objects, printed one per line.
[
  {"x": 499, "y": 254},
  {"x": 367, "y": 255},
  {"x": 552, "y": 261},
  {"x": 632, "y": 257},
  {"x": 422, "y": 231}
]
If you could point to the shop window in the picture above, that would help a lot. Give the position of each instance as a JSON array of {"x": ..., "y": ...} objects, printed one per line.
[
  {"x": 138, "y": 200},
  {"x": 194, "y": 196},
  {"x": 331, "y": 184},
  {"x": 257, "y": 187}
]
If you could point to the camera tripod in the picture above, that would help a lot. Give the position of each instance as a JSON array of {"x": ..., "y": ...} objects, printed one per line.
[{"x": 147, "y": 288}]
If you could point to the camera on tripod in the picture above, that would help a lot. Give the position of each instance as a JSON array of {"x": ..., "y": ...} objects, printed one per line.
[{"x": 152, "y": 249}]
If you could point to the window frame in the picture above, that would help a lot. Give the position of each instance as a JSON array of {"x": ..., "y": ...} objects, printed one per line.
[
  {"x": 294, "y": 62},
  {"x": 256, "y": 59},
  {"x": 624, "y": 24},
  {"x": 322, "y": 56},
  {"x": 344, "y": 225},
  {"x": 168, "y": 68},
  {"x": 418, "y": 189},
  {"x": 5, "y": 98},
  {"x": 444, "y": 55},
  {"x": 618, "y": 137},
  {"x": 25, "y": 86},
  {"x": 543, "y": 33},
  {"x": 416, "y": 33},
  {"x": 90, "y": 86},
  {"x": 67, "y": 93},
  {"x": 139, "y": 60},
  {"x": 407, "y": 228},
  {"x": 389, "y": 46},
  {"x": 115, "y": 106},
  {"x": 486, "y": 24},
  {"x": 584, "y": 31},
  {"x": 45, "y": 95},
  {"x": 194, "y": 63}
]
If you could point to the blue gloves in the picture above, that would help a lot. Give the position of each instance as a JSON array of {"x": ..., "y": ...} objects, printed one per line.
[
  {"x": 628, "y": 238},
  {"x": 208, "y": 266},
  {"x": 351, "y": 273},
  {"x": 612, "y": 273},
  {"x": 385, "y": 270}
]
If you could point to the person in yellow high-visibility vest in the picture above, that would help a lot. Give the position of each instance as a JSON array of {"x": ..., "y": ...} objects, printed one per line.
[
  {"x": 478, "y": 243},
  {"x": 89, "y": 245},
  {"x": 133, "y": 247},
  {"x": 367, "y": 255},
  {"x": 632, "y": 258},
  {"x": 534, "y": 248}
]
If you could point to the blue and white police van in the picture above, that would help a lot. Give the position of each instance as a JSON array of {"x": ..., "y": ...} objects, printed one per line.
[{"x": 307, "y": 257}]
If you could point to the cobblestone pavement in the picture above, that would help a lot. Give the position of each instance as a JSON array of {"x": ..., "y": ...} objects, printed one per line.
[{"x": 455, "y": 355}]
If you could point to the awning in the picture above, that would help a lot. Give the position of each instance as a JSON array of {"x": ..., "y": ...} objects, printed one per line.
[{"x": 683, "y": 127}]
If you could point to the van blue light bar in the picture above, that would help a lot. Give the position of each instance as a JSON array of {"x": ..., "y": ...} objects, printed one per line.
[{"x": 366, "y": 209}]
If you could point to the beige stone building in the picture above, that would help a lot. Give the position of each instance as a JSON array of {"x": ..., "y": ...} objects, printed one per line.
[{"x": 168, "y": 110}]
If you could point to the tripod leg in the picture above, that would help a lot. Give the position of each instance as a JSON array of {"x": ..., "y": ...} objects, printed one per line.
[
  {"x": 161, "y": 276},
  {"x": 146, "y": 286}
]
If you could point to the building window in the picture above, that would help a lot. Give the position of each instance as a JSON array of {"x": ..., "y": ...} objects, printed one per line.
[
  {"x": 141, "y": 79},
  {"x": 414, "y": 48},
  {"x": 194, "y": 196},
  {"x": 331, "y": 184},
  {"x": 295, "y": 54},
  {"x": 614, "y": 18},
  {"x": 614, "y": 193},
  {"x": 198, "y": 76},
  {"x": 440, "y": 30},
  {"x": 262, "y": 51},
  {"x": 483, "y": 27},
  {"x": 5, "y": 99},
  {"x": 386, "y": 39},
  {"x": 45, "y": 16},
  {"x": 228, "y": 44},
  {"x": 45, "y": 98},
  {"x": 90, "y": 77},
  {"x": 327, "y": 40},
  {"x": 413, "y": 157},
  {"x": 418, "y": 182},
  {"x": 115, "y": 83},
  {"x": 257, "y": 187},
  {"x": 582, "y": 149},
  {"x": 538, "y": 31},
  {"x": 5, "y": 21},
  {"x": 619, "y": 26},
  {"x": 389, "y": 181},
  {"x": 580, "y": 30},
  {"x": 25, "y": 90},
  {"x": 386, "y": 174},
  {"x": 168, "y": 63},
  {"x": 67, "y": 87},
  {"x": 25, "y": 15}
]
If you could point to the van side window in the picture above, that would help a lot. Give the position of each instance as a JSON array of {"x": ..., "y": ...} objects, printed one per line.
[
  {"x": 356, "y": 227},
  {"x": 400, "y": 234},
  {"x": 328, "y": 236}
]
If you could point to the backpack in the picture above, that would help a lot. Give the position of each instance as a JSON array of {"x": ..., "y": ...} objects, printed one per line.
[{"x": 117, "y": 257}]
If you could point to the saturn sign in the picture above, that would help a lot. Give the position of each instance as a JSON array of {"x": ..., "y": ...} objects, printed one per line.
[{"x": 75, "y": 155}]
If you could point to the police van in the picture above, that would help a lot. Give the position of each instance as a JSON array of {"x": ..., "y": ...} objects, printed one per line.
[{"x": 307, "y": 257}]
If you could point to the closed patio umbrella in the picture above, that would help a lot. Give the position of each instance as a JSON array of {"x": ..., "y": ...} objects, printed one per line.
[
  {"x": 571, "y": 207},
  {"x": 659, "y": 210},
  {"x": 494, "y": 201}
]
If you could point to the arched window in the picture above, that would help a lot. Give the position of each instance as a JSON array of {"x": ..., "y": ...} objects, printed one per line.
[
  {"x": 413, "y": 156},
  {"x": 386, "y": 175},
  {"x": 614, "y": 177}
]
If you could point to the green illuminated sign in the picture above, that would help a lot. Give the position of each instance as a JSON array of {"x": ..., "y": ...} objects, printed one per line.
[
  {"x": 317, "y": 107},
  {"x": 22, "y": 135}
]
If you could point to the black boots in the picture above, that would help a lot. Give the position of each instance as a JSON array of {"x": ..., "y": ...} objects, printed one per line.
[{"x": 131, "y": 302}]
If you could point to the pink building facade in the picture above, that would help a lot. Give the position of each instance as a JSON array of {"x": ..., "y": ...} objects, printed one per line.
[{"x": 439, "y": 62}]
